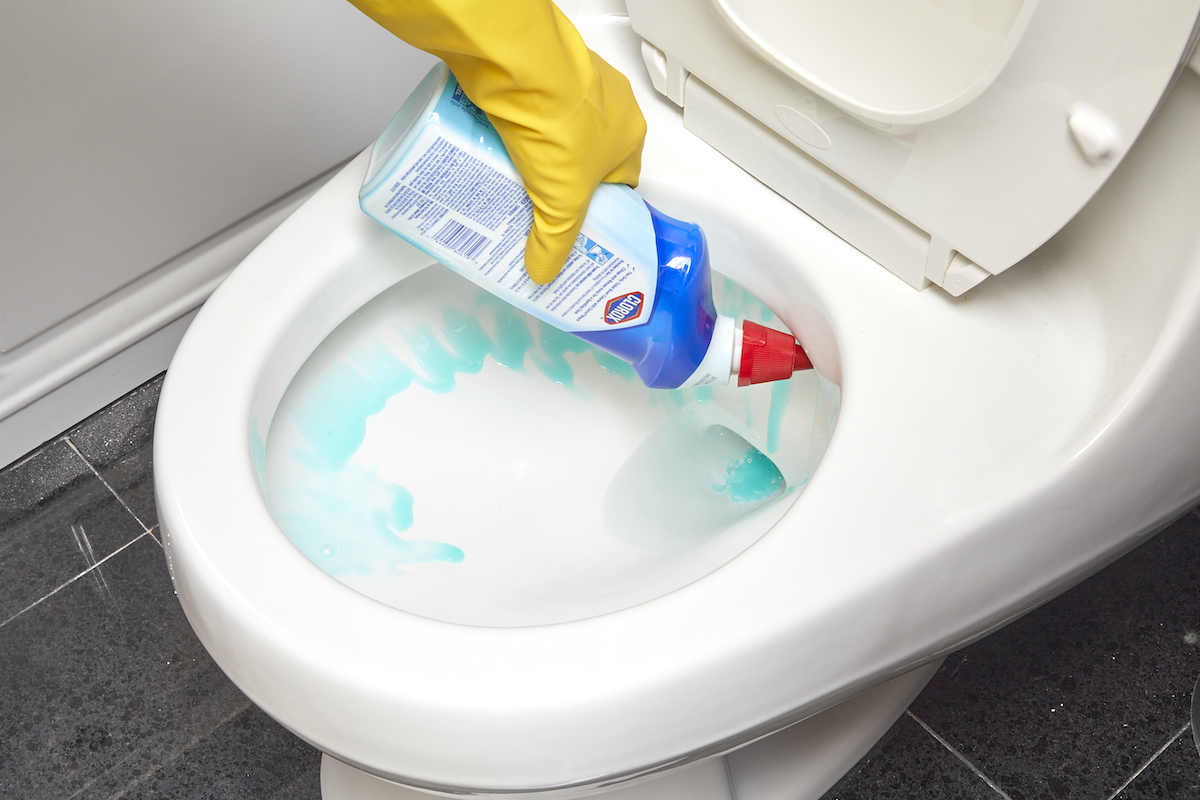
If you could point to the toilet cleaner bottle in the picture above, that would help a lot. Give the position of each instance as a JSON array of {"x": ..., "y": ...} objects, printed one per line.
[{"x": 637, "y": 283}]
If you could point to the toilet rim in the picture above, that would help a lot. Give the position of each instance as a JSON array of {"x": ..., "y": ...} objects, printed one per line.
[
  {"x": 733, "y": 656},
  {"x": 456, "y": 708}
]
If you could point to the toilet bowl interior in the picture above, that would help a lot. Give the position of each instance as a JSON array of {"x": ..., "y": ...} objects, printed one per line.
[{"x": 447, "y": 454}]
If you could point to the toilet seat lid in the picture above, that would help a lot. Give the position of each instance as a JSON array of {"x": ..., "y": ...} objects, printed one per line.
[
  {"x": 945, "y": 140},
  {"x": 891, "y": 62}
]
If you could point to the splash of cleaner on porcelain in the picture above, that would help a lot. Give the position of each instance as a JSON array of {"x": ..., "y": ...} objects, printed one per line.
[{"x": 351, "y": 499}]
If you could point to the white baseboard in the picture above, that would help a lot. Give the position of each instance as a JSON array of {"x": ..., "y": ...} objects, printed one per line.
[{"x": 77, "y": 399}]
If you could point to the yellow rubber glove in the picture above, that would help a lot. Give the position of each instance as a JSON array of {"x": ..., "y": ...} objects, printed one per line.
[{"x": 567, "y": 118}]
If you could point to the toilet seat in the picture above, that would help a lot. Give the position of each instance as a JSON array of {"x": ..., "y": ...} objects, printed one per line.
[
  {"x": 1005, "y": 448},
  {"x": 947, "y": 140}
]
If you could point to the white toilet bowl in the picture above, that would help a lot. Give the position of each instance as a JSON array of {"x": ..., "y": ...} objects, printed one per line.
[{"x": 990, "y": 452}]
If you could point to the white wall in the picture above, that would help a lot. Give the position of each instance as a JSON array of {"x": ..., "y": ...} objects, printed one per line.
[{"x": 145, "y": 147}]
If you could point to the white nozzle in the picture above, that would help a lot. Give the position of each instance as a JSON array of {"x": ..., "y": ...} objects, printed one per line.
[{"x": 719, "y": 367}]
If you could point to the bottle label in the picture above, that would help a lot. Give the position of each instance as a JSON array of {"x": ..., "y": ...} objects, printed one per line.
[
  {"x": 456, "y": 195},
  {"x": 624, "y": 308}
]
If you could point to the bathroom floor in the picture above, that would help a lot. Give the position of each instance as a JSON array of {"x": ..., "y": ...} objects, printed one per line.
[{"x": 106, "y": 693}]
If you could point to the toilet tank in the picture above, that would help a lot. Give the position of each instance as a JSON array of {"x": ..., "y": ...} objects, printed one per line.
[{"x": 946, "y": 139}]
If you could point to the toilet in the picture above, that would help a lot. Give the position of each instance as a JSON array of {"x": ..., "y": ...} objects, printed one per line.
[{"x": 511, "y": 613}]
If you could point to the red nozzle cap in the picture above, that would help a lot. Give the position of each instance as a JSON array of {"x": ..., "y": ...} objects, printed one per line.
[{"x": 769, "y": 355}]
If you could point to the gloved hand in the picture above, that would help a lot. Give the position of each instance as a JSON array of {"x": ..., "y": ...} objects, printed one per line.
[{"x": 568, "y": 120}]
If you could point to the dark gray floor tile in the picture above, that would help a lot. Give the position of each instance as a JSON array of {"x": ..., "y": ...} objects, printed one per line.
[
  {"x": 104, "y": 682},
  {"x": 34, "y": 481},
  {"x": 107, "y": 693},
  {"x": 61, "y": 520},
  {"x": 909, "y": 764},
  {"x": 118, "y": 441},
  {"x": 251, "y": 757},
  {"x": 1070, "y": 700},
  {"x": 1175, "y": 775}
]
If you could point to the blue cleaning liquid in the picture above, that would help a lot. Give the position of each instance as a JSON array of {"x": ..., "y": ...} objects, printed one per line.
[
  {"x": 511, "y": 339},
  {"x": 780, "y": 391},
  {"x": 466, "y": 337},
  {"x": 334, "y": 416},
  {"x": 347, "y": 519},
  {"x": 439, "y": 365},
  {"x": 258, "y": 456},
  {"x": 551, "y": 358},
  {"x": 688, "y": 481},
  {"x": 737, "y": 302},
  {"x": 750, "y": 476},
  {"x": 350, "y": 521}
]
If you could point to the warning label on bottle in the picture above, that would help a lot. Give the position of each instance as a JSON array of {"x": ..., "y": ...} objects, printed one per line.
[{"x": 475, "y": 216}]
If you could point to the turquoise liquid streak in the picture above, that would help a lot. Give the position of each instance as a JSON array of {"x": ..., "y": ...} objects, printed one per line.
[
  {"x": 737, "y": 302},
  {"x": 780, "y": 392},
  {"x": 747, "y": 410},
  {"x": 511, "y": 338},
  {"x": 258, "y": 456},
  {"x": 551, "y": 357},
  {"x": 348, "y": 520},
  {"x": 349, "y": 523},
  {"x": 515, "y": 338},
  {"x": 466, "y": 338},
  {"x": 749, "y": 475},
  {"x": 616, "y": 366},
  {"x": 438, "y": 365},
  {"x": 678, "y": 397},
  {"x": 687, "y": 481},
  {"x": 333, "y": 417}
]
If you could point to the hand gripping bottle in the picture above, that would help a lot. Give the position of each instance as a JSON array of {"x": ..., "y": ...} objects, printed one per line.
[{"x": 637, "y": 283}]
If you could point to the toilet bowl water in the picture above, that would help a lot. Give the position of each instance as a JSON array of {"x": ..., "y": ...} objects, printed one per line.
[
  {"x": 451, "y": 456},
  {"x": 990, "y": 452}
]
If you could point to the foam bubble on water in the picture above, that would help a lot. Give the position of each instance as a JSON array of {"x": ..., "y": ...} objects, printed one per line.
[{"x": 750, "y": 475}]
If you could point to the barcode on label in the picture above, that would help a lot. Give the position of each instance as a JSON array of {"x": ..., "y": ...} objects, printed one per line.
[{"x": 464, "y": 241}]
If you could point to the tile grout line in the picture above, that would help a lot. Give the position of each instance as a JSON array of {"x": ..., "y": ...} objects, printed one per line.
[
  {"x": 87, "y": 571},
  {"x": 108, "y": 486},
  {"x": 1150, "y": 760},
  {"x": 953, "y": 751}
]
